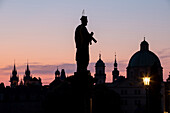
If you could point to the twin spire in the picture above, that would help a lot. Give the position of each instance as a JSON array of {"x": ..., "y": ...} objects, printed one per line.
[
  {"x": 115, "y": 63},
  {"x": 27, "y": 71}
]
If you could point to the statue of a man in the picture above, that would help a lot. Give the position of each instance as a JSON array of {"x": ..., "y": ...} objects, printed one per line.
[{"x": 82, "y": 39}]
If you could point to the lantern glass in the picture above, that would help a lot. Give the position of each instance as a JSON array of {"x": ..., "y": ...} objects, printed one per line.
[{"x": 146, "y": 81}]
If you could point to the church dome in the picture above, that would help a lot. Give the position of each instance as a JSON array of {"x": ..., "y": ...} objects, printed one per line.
[
  {"x": 57, "y": 72},
  {"x": 144, "y": 57},
  {"x": 100, "y": 63}
]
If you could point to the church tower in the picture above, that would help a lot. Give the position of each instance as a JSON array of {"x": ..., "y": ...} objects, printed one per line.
[
  {"x": 100, "y": 75},
  {"x": 27, "y": 77},
  {"x": 115, "y": 72},
  {"x": 63, "y": 75},
  {"x": 57, "y": 74},
  {"x": 14, "y": 79}
]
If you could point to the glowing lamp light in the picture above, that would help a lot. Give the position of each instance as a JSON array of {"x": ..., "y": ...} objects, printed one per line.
[{"x": 146, "y": 81}]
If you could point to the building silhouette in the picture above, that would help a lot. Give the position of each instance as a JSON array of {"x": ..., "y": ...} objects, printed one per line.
[
  {"x": 69, "y": 94},
  {"x": 63, "y": 75},
  {"x": 27, "y": 77},
  {"x": 146, "y": 63},
  {"x": 14, "y": 79},
  {"x": 100, "y": 71},
  {"x": 58, "y": 78},
  {"x": 131, "y": 89},
  {"x": 115, "y": 72}
]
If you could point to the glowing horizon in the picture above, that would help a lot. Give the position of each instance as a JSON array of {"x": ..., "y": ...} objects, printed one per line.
[{"x": 43, "y": 32}]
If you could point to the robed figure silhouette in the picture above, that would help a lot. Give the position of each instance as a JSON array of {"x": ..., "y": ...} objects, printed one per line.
[{"x": 82, "y": 39}]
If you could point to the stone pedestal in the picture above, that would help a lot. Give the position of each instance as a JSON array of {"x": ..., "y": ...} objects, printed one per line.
[{"x": 82, "y": 86}]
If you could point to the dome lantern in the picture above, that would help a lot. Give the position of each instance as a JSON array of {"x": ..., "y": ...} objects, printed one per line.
[{"x": 144, "y": 46}]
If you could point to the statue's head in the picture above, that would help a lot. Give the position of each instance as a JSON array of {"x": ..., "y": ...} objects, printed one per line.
[{"x": 84, "y": 20}]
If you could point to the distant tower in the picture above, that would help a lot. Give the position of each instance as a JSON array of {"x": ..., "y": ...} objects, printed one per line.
[
  {"x": 63, "y": 75},
  {"x": 115, "y": 72},
  {"x": 57, "y": 74},
  {"x": 14, "y": 79},
  {"x": 27, "y": 77},
  {"x": 100, "y": 71}
]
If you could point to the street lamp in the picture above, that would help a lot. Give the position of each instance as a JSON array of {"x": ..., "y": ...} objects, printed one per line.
[{"x": 146, "y": 81}]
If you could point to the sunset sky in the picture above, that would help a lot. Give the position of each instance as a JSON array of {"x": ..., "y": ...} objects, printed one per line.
[{"x": 42, "y": 32}]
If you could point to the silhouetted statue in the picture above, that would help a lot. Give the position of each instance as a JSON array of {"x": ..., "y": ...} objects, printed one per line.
[{"x": 83, "y": 38}]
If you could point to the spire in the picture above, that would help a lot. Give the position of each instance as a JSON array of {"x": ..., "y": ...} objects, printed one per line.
[
  {"x": 115, "y": 72},
  {"x": 14, "y": 68},
  {"x": 14, "y": 72},
  {"x": 27, "y": 71},
  {"x": 14, "y": 79},
  {"x": 115, "y": 64},
  {"x": 14, "y": 65},
  {"x": 27, "y": 65},
  {"x": 100, "y": 55},
  {"x": 14, "y": 61}
]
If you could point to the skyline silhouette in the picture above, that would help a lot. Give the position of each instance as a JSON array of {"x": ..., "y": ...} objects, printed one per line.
[
  {"x": 60, "y": 76},
  {"x": 28, "y": 27}
]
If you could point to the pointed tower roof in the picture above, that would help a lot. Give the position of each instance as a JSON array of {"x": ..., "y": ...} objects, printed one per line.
[
  {"x": 115, "y": 63},
  {"x": 27, "y": 71},
  {"x": 115, "y": 72},
  {"x": 100, "y": 56},
  {"x": 14, "y": 72}
]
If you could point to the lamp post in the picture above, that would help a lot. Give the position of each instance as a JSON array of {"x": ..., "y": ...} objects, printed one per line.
[{"x": 146, "y": 81}]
